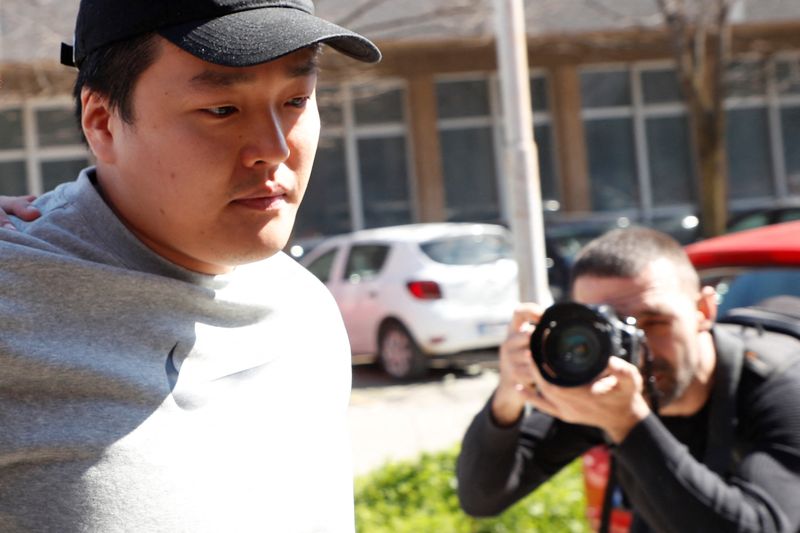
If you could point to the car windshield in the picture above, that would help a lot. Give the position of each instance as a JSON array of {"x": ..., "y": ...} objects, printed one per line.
[
  {"x": 468, "y": 249},
  {"x": 752, "y": 287}
]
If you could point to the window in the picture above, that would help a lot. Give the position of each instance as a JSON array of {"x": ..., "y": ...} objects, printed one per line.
[
  {"x": 321, "y": 266},
  {"x": 365, "y": 261},
  {"x": 469, "y": 132},
  {"x": 788, "y": 103},
  {"x": 361, "y": 172},
  {"x": 748, "y": 144},
  {"x": 749, "y": 161},
  {"x": 638, "y": 142},
  {"x": 468, "y": 249},
  {"x": 606, "y": 98},
  {"x": 467, "y": 138},
  {"x": 40, "y": 146},
  {"x": 382, "y": 155},
  {"x": 326, "y": 205}
]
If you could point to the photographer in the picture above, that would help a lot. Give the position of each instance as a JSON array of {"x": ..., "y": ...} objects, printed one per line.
[{"x": 714, "y": 447}]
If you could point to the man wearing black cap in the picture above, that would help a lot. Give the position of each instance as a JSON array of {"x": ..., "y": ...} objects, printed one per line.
[{"x": 163, "y": 367}]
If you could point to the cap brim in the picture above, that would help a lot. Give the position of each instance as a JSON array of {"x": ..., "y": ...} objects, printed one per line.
[{"x": 256, "y": 36}]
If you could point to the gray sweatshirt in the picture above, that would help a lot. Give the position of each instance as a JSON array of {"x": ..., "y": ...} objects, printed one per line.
[{"x": 138, "y": 396}]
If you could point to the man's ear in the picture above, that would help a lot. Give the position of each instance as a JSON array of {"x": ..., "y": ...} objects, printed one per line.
[
  {"x": 707, "y": 308},
  {"x": 96, "y": 121}
]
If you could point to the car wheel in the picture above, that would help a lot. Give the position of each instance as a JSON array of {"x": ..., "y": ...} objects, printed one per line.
[{"x": 400, "y": 356}]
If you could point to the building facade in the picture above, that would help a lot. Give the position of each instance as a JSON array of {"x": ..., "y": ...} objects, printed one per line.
[{"x": 420, "y": 137}]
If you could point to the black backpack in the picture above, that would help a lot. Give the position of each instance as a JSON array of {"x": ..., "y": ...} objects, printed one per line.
[{"x": 779, "y": 314}]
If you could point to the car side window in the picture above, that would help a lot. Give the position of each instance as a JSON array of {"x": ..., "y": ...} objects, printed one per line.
[
  {"x": 790, "y": 215},
  {"x": 321, "y": 266},
  {"x": 365, "y": 261}
]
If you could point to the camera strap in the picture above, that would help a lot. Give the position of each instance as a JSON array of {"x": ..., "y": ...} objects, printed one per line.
[
  {"x": 611, "y": 484},
  {"x": 608, "y": 496}
]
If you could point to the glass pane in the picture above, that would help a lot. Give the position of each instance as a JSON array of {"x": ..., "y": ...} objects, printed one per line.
[
  {"x": 749, "y": 168},
  {"x": 660, "y": 86},
  {"x": 788, "y": 74},
  {"x": 547, "y": 170},
  {"x": 612, "y": 164},
  {"x": 57, "y": 127},
  {"x": 11, "y": 129},
  {"x": 605, "y": 89},
  {"x": 326, "y": 208},
  {"x": 376, "y": 105},
  {"x": 56, "y": 172},
  {"x": 746, "y": 79},
  {"x": 468, "y": 249},
  {"x": 462, "y": 98},
  {"x": 384, "y": 181},
  {"x": 365, "y": 261},
  {"x": 12, "y": 178},
  {"x": 790, "y": 121},
  {"x": 755, "y": 220},
  {"x": 329, "y": 102},
  {"x": 539, "y": 94},
  {"x": 470, "y": 182},
  {"x": 321, "y": 266},
  {"x": 668, "y": 151}
]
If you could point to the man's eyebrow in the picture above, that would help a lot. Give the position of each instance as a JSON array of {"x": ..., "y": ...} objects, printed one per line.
[
  {"x": 306, "y": 68},
  {"x": 218, "y": 78}
]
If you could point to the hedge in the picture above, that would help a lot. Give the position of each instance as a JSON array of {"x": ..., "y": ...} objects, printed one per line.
[{"x": 420, "y": 497}]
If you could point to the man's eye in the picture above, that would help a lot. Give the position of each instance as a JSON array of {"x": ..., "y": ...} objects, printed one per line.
[
  {"x": 222, "y": 111},
  {"x": 299, "y": 102}
]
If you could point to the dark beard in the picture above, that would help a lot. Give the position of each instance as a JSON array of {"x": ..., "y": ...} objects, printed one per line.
[{"x": 670, "y": 385}]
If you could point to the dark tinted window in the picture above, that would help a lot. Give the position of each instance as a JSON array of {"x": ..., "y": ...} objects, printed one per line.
[
  {"x": 321, "y": 266},
  {"x": 365, "y": 261},
  {"x": 468, "y": 249}
]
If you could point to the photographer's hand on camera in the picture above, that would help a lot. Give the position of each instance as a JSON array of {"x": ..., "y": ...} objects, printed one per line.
[
  {"x": 517, "y": 370},
  {"x": 613, "y": 402}
]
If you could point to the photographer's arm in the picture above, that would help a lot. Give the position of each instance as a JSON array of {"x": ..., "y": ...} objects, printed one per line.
[
  {"x": 506, "y": 455},
  {"x": 19, "y": 206},
  {"x": 675, "y": 492}
]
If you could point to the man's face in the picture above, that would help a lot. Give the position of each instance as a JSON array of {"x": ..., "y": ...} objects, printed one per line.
[
  {"x": 212, "y": 170},
  {"x": 666, "y": 309}
]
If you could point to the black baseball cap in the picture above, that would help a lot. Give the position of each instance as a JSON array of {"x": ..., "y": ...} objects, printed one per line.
[{"x": 235, "y": 33}]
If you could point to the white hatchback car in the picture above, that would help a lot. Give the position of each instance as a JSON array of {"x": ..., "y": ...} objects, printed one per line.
[{"x": 416, "y": 292}]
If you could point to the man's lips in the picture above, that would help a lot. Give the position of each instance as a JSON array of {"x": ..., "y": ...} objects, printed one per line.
[{"x": 263, "y": 203}]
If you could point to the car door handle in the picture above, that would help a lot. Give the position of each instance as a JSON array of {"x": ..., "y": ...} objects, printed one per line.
[{"x": 372, "y": 294}]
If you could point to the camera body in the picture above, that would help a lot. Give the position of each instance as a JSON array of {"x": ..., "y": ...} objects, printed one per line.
[{"x": 572, "y": 342}]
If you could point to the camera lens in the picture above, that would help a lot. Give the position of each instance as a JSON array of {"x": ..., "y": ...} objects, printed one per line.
[
  {"x": 574, "y": 352},
  {"x": 576, "y": 349},
  {"x": 572, "y": 343}
]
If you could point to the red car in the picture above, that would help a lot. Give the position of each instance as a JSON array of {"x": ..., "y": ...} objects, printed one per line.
[{"x": 745, "y": 268}]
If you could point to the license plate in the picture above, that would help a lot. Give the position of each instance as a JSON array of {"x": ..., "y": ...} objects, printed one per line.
[{"x": 494, "y": 329}]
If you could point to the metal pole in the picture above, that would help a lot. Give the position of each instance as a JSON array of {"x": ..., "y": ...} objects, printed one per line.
[{"x": 527, "y": 223}]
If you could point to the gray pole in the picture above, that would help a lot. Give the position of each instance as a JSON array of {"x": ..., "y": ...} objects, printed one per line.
[{"x": 520, "y": 154}]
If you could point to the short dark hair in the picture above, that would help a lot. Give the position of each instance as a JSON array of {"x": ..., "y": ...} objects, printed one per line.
[
  {"x": 625, "y": 253},
  {"x": 113, "y": 72}
]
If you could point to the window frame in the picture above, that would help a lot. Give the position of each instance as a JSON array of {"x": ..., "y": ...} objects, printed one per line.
[{"x": 32, "y": 154}]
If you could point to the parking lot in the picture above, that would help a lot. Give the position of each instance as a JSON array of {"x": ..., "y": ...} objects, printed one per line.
[{"x": 391, "y": 421}]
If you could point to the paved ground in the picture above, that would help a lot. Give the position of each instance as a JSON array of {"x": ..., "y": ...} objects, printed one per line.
[{"x": 392, "y": 422}]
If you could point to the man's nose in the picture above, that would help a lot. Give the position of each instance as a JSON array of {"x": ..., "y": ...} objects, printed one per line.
[{"x": 265, "y": 141}]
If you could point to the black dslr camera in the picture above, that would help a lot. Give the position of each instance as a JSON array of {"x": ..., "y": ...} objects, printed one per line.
[{"x": 572, "y": 342}]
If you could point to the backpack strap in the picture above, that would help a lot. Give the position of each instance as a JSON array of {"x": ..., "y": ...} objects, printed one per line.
[{"x": 719, "y": 454}]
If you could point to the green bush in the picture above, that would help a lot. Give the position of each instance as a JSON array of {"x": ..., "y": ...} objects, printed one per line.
[{"x": 420, "y": 497}]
